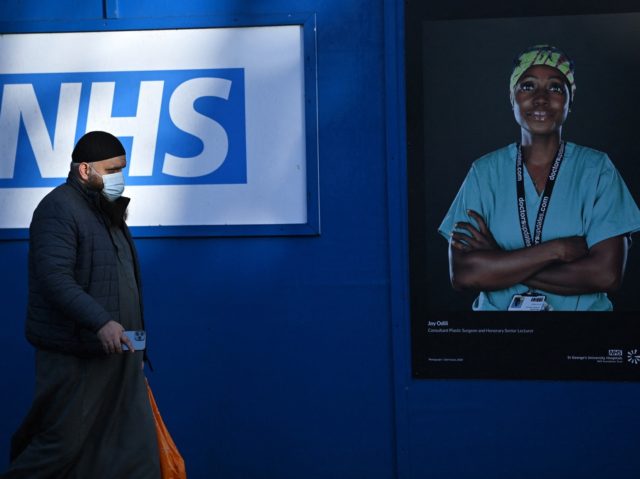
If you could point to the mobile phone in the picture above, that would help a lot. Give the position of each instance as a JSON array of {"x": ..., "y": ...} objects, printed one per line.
[{"x": 138, "y": 338}]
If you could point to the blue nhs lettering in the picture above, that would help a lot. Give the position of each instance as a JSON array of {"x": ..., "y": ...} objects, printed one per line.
[{"x": 178, "y": 126}]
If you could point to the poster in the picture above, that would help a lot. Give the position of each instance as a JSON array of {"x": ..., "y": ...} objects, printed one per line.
[{"x": 465, "y": 113}]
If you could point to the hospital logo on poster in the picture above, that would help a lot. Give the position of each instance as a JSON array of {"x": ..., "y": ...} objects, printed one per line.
[{"x": 633, "y": 357}]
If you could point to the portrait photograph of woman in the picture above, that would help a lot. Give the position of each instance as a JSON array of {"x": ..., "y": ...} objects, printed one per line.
[
  {"x": 542, "y": 224},
  {"x": 529, "y": 167}
]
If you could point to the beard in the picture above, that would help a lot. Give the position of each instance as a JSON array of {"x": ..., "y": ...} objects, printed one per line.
[{"x": 95, "y": 181}]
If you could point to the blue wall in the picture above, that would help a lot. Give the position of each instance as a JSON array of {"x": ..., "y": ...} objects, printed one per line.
[
  {"x": 272, "y": 354},
  {"x": 288, "y": 357}
]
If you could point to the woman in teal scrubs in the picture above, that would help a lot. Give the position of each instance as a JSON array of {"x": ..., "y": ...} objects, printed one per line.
[{"x": 543, "y": 224}]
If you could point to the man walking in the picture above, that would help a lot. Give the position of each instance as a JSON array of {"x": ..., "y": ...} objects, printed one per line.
[{"x": 91, "y": 416}]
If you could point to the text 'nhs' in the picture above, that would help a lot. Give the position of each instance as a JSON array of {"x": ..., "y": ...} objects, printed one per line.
[{"x": 179, "y": 126}]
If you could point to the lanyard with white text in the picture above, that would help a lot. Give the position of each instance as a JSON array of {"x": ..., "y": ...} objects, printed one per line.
[{"x": 544, "y": 203}]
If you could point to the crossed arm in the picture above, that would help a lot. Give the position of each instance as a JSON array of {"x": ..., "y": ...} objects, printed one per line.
[{"x": 562, "y": 266}]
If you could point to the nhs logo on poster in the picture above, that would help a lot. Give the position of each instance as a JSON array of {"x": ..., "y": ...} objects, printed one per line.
[
  {"x": 212, "y": 119},
  {"x": 180, "y": 126}
]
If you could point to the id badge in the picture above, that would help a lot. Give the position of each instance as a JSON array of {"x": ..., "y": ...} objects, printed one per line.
[{"x": 529, "y": 301}]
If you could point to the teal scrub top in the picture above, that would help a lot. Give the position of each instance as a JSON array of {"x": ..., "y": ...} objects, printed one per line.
[{"x": 590, "y": 199}]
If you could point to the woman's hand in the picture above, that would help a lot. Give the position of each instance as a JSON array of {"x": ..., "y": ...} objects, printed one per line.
[
  {"x": 479, "y": 238},
  {"x": 601, "y": 269}
]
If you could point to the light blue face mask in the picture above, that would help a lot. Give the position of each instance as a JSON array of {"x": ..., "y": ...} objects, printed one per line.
[{"x": 113, "y": 185}]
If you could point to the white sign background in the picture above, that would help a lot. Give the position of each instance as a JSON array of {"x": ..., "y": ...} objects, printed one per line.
[{"x": 273, "y": 61}]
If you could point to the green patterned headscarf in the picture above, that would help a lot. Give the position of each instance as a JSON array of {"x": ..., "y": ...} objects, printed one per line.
[{"x": 543, "y": 55}]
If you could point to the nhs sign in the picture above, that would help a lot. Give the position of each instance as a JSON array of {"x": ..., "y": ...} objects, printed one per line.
[
  {"x": 184, "y": 125},
  {"x": 213, "y": 121}
]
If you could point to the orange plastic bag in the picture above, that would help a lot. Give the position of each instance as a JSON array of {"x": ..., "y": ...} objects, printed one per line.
[{"x": 171, "y": 462}]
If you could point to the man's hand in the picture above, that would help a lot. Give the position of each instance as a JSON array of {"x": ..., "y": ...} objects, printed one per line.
[{"x": 112, "y": 336}]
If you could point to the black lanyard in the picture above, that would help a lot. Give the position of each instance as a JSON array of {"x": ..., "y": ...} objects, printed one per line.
[{"x": 544, "y": 203}]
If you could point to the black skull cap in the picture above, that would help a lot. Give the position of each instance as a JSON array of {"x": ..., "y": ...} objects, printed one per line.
[{"x": 97, "y": 146}]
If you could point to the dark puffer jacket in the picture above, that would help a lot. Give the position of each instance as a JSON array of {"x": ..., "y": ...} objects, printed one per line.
[{"x": 73, "y": 276}]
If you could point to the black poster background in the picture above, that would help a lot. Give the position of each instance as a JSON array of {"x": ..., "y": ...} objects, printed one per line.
[{"x": 458, "y": 67}]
